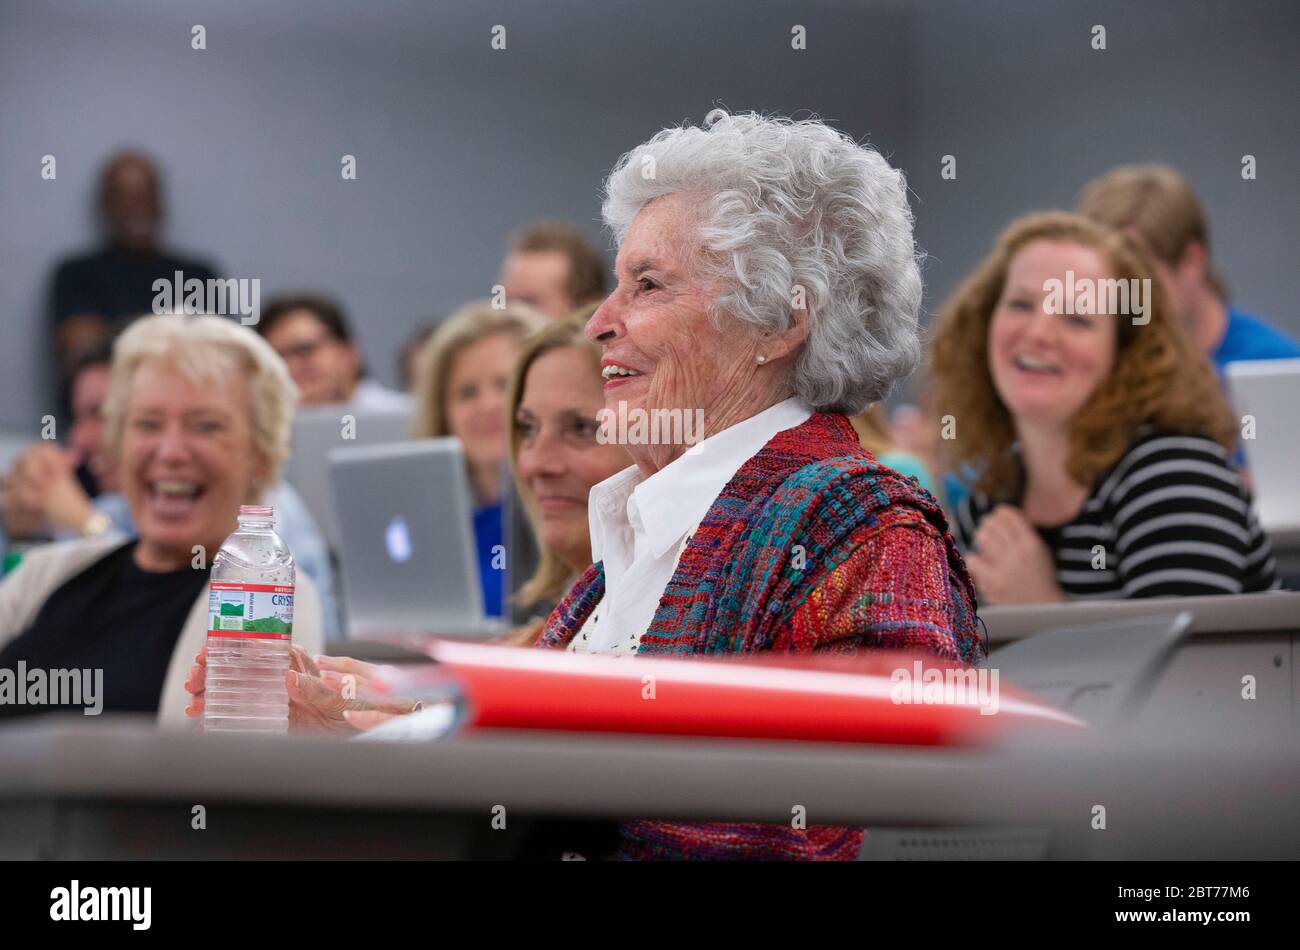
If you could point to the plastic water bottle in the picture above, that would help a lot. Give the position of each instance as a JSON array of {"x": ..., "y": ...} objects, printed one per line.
[{"x": 250, "y": 627}]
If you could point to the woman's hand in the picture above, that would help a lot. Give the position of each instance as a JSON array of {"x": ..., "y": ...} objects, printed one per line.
[
  {"x": 1013, "y": 564},
  {"x": 196, "y": 681},
  {"x": 41, "y": 492},
  {"x": 350, "y": 678},
  {"x": 363, "y": 719},
  {"x": 313, "y": 705}
]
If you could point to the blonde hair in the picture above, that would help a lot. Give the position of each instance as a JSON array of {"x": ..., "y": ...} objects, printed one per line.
[
  {"x": 1156, "y": 202},
  {"x": 553, "y": 577},
  {"x": 203, "y": 349},
  {"x": 473, "y": 322},
  {"x": 1157, "y": 377}
]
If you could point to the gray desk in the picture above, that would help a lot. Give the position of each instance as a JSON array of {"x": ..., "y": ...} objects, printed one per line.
[
  {"x": 1231, "y": 637},
  {"x": 1255, "y": 635},
  {"x": 120, "y": 789},
  {"x": 1286, "y": 548},
  {"x": 375, "y": 651}
]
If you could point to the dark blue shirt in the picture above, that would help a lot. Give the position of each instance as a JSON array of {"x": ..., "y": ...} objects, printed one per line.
[{"x": 488, "y": 538}]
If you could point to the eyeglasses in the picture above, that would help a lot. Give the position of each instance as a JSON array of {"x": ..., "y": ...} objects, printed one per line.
[{"x": 304, "y": 350}]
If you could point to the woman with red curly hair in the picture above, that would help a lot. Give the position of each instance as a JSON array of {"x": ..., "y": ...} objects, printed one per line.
[{"x": 1100, "y": 435}]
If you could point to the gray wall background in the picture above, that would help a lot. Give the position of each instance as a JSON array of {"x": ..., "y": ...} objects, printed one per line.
[{"x": 456, "y": 144}]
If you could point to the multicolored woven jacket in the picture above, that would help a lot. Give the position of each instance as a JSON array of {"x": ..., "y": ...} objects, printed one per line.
[{"x": 811, "y": 546}]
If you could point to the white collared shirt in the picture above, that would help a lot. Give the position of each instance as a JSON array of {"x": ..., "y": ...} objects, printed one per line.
[{"x": 639, "y": 526}]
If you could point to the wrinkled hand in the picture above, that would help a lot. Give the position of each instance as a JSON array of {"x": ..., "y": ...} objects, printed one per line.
[
  {"x": 41, "y": 492},
  {"x": 352, "y": 678},
  {"x": 1013, "y": 564},
  {"x": 314, "y": 705}
]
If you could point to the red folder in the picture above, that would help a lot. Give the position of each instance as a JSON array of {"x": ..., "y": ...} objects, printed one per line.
[{"x": 881, "y": 697}]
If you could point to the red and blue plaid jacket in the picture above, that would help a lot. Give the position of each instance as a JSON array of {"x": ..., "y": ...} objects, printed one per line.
[{"x": 812, "y": 545}]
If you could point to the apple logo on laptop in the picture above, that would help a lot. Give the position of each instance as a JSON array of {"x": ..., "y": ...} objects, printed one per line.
[{"x": 397, "y": 538}]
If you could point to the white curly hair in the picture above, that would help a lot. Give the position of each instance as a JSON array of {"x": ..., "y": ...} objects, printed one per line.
[{"x": 787, "y": 204}]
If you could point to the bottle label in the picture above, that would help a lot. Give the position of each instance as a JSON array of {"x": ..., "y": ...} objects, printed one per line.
[{"x": 250, "y": 611}]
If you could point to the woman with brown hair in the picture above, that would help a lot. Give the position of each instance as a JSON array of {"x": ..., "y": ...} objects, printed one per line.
[
  {"x": 557, "y": 455},
  {"x": 1099, "y": 434}
]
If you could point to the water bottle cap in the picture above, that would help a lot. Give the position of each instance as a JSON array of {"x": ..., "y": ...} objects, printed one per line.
[{"x": 257, "y": 511}]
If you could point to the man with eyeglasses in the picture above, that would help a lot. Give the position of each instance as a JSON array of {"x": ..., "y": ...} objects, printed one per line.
[{"x": 312, "y": 336}]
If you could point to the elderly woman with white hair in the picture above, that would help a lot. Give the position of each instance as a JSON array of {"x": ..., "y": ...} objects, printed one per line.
[
  {"x": 198, "y": 416},
  {"x": 768, "y": 285}
]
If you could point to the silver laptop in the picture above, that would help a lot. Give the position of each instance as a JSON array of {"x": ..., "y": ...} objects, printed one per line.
[
  {"x": 408, "y": 555},
  {"x": 1269, "y": 392},
  {"x": 317, "y": 430}
]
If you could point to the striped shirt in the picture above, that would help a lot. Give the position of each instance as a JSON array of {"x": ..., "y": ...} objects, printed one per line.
[{"x": 1171, "y": 518}]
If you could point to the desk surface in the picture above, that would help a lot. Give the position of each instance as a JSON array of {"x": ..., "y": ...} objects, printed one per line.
[
  {"x": 1168, "y": 796},
  {"x": 1275, "y": 611},
  {"x": 1285, "y": 539}
]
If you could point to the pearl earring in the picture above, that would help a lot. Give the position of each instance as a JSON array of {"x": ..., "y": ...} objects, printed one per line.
[{"x": 762, "y": 358}]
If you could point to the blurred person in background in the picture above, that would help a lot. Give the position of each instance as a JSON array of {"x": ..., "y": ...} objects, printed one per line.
[
  {"x": 873, "y": 432},
  {"x": 94, "y": 294},
  {"x": 462, "y": 382},
  {"x": 49, "y": 488},
  {"x": 552, "y": 267},
  {"x": 557, "y": 454},
  {"x": 312, "y": 335},
  {"x": 66, "y": 494},
  {"x": 197, "y": 419},
  {"x": 1156, "y": 207},
  {"x": 1100, "y": 441},
  {"x": 917, "y": 431}
]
